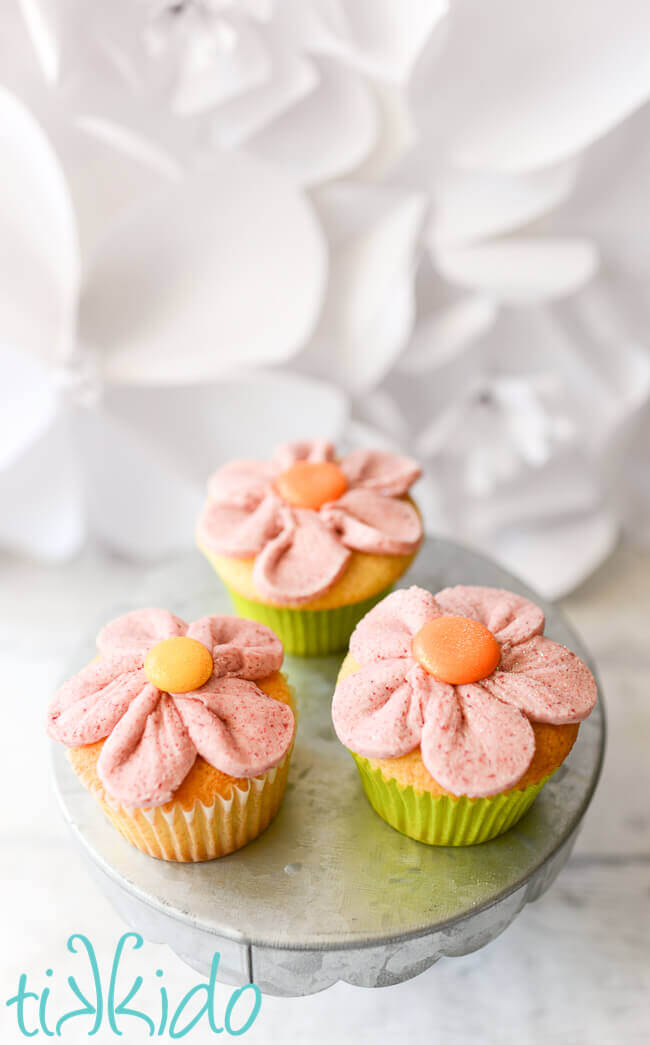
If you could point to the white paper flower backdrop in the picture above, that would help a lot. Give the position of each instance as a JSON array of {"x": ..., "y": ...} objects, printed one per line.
[
  {"x": 224, "y": 222},
  {"x": 150, "y": 306}
]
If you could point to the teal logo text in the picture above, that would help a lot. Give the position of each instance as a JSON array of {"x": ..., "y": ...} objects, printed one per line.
[{"x": 49, "y": 1010}]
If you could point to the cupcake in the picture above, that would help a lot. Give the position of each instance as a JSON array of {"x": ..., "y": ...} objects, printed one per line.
[
  {"x": 183, "y": 733},
  {"x": 306, "y": 542},
  {"x": 457, "y": 710}
]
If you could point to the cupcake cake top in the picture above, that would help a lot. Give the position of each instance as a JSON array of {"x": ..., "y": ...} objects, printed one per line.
[
  {"x": 163, "y": 692},
  {"x": 462, "y": 674},
  {"x": 301, "y": 514}
]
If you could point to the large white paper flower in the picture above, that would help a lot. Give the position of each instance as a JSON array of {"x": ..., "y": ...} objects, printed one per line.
[
  {"x": 289, "y": 80},
  {"x": 200, "y": 281}
]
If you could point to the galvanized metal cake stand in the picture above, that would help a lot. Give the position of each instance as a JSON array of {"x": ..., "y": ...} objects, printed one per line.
[{"x": 330, "y": 892}]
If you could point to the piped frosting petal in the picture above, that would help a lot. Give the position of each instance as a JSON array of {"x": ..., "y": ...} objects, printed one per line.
[
  {"x": 302, "y": 562},
  {"x": 237, "y": 728},
  {"x": 379, "y": 711},
  {"x": 148, "y": 754},
  {"x": 241, "y": 484},
  {"x": 473, "y": 744},
  {"x": 287, "y": 454},
  {"x": 511, "y": 618},
  {"x": 387, "y": 631},
  {"x": 136, "y": 632},
  {"x": 238, "y": 646},
  {"x": 89, "y": 705},
  {"x": 367, "y": 521},
  {"x": 238, "y": 532},
  {"x": 387, "y": 473},
  {"x": 545, "y": 680}
]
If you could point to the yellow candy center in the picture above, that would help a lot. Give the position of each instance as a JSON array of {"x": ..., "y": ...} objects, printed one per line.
[{"x": 178, "y": 665}]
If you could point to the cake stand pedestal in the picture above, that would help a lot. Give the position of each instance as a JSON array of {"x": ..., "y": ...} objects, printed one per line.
[{"x": 330, "y": 892}]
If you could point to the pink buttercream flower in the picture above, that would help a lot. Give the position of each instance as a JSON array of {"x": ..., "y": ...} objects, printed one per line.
[
  {"x": 301, "y": 551},
  {"x": 153, "y": 737},
  {"x": 475, "y": 739}
]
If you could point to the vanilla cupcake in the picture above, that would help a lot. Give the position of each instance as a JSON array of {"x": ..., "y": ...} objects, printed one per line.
[
  {"x": 457, "y": 710},
  {"x": 307, "y": 542},
  {"x": 183, "y": 733}
]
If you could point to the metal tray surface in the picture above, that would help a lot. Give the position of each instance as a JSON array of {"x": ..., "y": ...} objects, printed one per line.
[{"x": 329, "y": 891}]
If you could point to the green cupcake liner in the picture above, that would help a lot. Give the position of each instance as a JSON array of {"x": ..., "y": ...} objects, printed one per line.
[
  {"x": 308, "y": 633},
  {"x": 441, "y": 819}
]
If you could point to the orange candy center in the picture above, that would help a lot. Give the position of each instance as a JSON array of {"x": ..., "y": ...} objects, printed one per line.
[
  {"x": 456, "y": 650},
  {"x": 311, "y": 484},
  {"x": 178, "y": 665}
]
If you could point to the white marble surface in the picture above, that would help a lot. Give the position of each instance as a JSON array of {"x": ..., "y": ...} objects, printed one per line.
[{"x": 574, "y": 967}]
